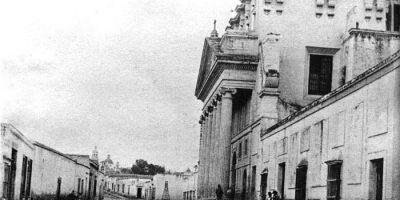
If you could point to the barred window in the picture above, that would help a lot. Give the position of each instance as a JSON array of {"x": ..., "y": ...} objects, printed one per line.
[
  {"x": 334, "y": 182},
  {"x": 320, "y": 76}
]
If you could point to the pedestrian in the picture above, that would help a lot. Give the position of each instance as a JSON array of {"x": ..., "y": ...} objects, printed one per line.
[
  {"x": 275, "y": 195},
  {"x": 269, "y": 196},
  {"x": 219, "y": 192},
  {"x": 71, "y": 196}
]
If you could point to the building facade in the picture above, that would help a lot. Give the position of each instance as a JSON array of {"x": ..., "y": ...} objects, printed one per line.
[
  {"x": 301, "y": 98},
  {"x": 31, "y": 170},
  {"x": 129, "y": 185}
]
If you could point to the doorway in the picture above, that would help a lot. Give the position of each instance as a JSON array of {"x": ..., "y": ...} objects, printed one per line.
[
  {"x": 301, "y": 182},
  {"x": 376, "y": 180},
  {"x": 139, "y": 193},
  {"x": 244, "y": 184},
  {"x": 264, "y": 178},
  {"x": 281, "y": 179}
]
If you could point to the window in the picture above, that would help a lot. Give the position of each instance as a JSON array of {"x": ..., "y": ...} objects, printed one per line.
[
  {"x": 28, "y": 179},
  {"x": 240, "y": 150},
  {"x": 334, "y": 173},
  {"x": 376, "y": 180},
  {"x": 301, "y": 182},
  {"x": 13, "y": 173},
  {"x": 393, "y": 17},
  {"x": 79, "y": 185},
  {"x": 82, "y": 186},
  {"x": 245, "y": 146},
  {"x": 320, "y": 76},
  {"x": 6, "y": 181},
  {"x": 281, "y": 179},
  {"x": 23, "y": 176}
]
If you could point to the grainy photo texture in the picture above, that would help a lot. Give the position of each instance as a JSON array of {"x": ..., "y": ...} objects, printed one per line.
[{"x": 200, "y": 100}]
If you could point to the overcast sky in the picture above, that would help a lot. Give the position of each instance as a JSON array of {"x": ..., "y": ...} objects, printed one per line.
[{"x": 118, "y": 74}]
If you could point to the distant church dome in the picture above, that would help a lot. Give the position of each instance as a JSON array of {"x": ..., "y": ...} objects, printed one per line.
[{"x": 108, "y": 160}]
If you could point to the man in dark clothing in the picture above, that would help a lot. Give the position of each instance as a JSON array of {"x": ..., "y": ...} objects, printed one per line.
[{"x": 219, "y": 192}]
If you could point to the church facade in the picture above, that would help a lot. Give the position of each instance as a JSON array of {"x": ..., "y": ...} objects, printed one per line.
[{"x": 302, "y": 98}]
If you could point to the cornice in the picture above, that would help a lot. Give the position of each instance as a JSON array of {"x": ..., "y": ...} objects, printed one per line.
[
  {"x": 225, "y": 62},
  {"x": 368, "y": 33}
]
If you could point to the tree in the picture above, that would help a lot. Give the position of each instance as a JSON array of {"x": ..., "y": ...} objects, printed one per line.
[
  {"x": 126, "y": 171},
  {"x": 143, "y": 167}
]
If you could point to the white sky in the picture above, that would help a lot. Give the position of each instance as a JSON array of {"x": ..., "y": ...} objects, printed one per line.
[{"x": 119, "y": 74}]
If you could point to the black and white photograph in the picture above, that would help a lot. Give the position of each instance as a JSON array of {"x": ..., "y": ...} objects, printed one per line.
[{"x": 200, "y": 100}]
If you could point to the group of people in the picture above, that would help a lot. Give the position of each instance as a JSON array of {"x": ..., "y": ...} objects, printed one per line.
[{"x": 272, "y": 195}]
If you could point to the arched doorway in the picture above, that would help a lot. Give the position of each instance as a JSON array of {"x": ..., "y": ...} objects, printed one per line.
[{"x": 244, "y": 184}]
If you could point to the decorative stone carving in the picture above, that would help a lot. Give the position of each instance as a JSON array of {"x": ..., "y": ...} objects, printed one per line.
[
  {"x": 270, "y": 61},
  {"x": 225, "y": 90},
  {"x": 210, "y": 109}
]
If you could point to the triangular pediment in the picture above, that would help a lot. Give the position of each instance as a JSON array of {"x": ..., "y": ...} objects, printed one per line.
[{"x": 210, "y": 49}]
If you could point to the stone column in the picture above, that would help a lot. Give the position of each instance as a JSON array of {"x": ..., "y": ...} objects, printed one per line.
[
  {"x": 204, "y": 152},
  {"x": 214, "y": 154},
  {"x": 218, "y": 150},
  {"x": 226, "y": 125},
  {"x": 209, "y": 152},
  {"x": 201, "y": 154}
]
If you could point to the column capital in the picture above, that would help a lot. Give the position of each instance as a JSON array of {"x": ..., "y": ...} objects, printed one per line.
[
  {"x": 214, "y": 102},
  {"x": 218, "y": 97},
  {"x": 210, "y": 109},
  {"x": 225, "y": 91},
  {"x": 202, "y": 118}
]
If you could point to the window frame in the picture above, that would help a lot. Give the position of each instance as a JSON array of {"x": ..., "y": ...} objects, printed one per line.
[
  {"x": 323, "y": 51},
  {"x": 334, "y": 181},
  {"x": 320, "y": 91}
]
